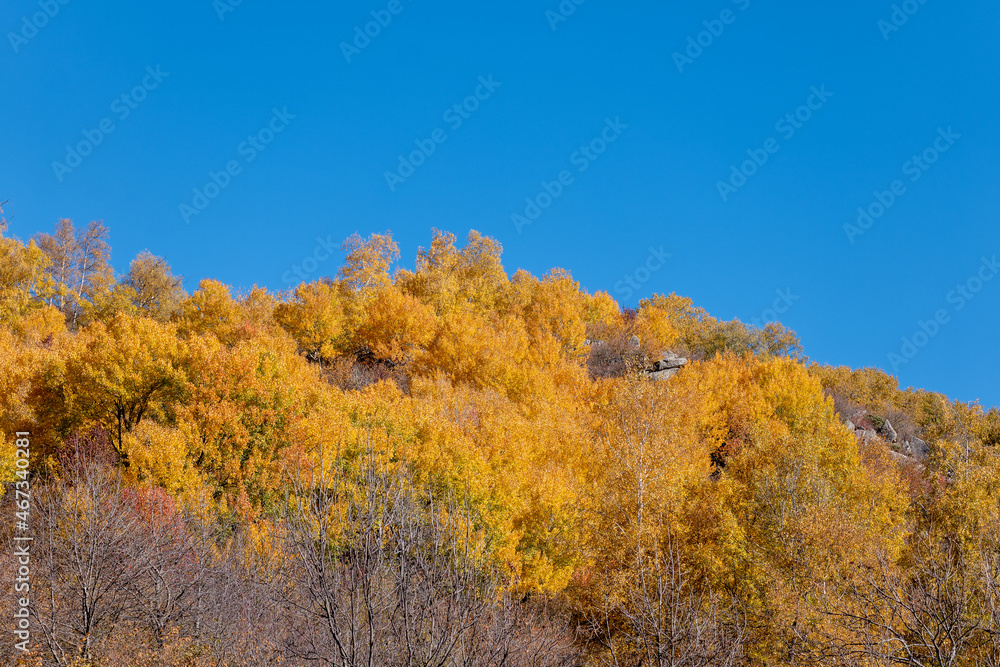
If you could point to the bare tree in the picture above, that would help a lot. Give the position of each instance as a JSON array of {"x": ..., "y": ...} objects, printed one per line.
[
  {"x": 62, "y": 249},
  {"x": 80, "y": 264},
  {"x": 990, "y": 572},
  {"x": 938, "y": 611},
  {"x": 4, "y": 222},
  {"x": 114, "y": 563},
  {"x": 90, "y": 555},
  {"x": 167, "y": 581},
  {"x": 382, "y": 575},
  {"x": 237, "y": 618},
  {"x": 665, "y": 619},
  {"x": 154, "y": 288}
]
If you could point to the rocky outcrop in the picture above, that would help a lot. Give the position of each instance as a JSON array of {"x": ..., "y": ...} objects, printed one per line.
[
  {"x": 667, "y": 366},
  {"x": 866, "y": 434},
  {"x": 916, "y": 448},
  {"x": 668, "y": 361},
  {"x": 624, "y": 356},
  {"x": 911, "y": 449},
  {"x": 887, "y": 432}
]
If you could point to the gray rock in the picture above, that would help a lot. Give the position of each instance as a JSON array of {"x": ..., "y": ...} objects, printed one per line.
[
  {"x": 900, "y": 458},
  {"x": 669, "y": 360},
  {"x": 918, "y": 448},
  {"x": 904, "y": 460},
  {"x": 634, "y": 343},
  {"x": 667, "y": 364},
  {"x": 663, "y": 375},
  {"x": 888, "y": 432},
  {"x": 850, "y": 426},
  {"x": 858, "y": 415}
]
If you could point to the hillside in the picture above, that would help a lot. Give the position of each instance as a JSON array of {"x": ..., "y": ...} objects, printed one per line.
[{"x": 457, "y": 466}]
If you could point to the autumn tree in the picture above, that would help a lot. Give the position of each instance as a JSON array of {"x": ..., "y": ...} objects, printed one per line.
[
  {"x": 241, "y": 405},
  {"x": 210, "y": 309},
  {"x": 315, "y": 318},
  {"x": 117, "y": 375},
  {"x": 987, "y": 428},
  {"x": 152, "y": 287},
  {"x": 391, "y": 326},
  {"x": 645, "y": 600},
  {"x": 450, "y": 279},
  {"x": 368, "y": 261},
  {"x": 789, "y": 506},
  {"x": 676, "y": 322},
  {"x": 79, "y": 269},
  {"x": 553, "y": 310},
  {"x": 23, "y": 282},
  {"x": 17, "y": 364},
  {"x": 378, "y": 574}
]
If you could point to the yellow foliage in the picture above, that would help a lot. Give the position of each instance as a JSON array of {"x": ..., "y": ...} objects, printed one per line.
[
  {"x": 481, "y": 353},
  {"x": 241, "y": 405},
  {"x": 120, "y": 373},
  {"x": 315, "y": 319},
  {"x": 160, "y": 455},
  {"x": 476, "y": 387},
  {"x": 553, "y": 309},
  {"x": 392, "y": 325},
  {"x": 210, "y": 309},
  {"x": 449, "y": 279},
  {"x": 23, "y": 281},
  {"x": 367, "y": 263},
  {"x": 654, "y": 324},
  {"x": 602, "y": 309},
  {"x": 677, "y": 320}
]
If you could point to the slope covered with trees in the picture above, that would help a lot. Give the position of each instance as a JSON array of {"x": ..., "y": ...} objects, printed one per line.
[{"x": 457, "y": 466}]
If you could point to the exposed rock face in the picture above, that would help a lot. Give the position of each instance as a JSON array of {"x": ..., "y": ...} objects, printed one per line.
[
  {"x": 902, "y": 459},
  {"x": 866, "y": 434},
  {"x": 916, "y": 448},
  {"x": 888, "y": 432},
  {"x": 666, "y": 366},
  {"x": 669, "y": 361},
  {"x": 913, "y": 450},
  {"x": 622, "y": 356}
]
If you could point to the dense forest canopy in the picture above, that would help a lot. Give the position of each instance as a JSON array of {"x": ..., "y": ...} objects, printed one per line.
[{"x": 474, "y": 460}]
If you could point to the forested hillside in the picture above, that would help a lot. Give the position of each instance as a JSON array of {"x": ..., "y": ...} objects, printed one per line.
[{"x": 457, "y": 466}]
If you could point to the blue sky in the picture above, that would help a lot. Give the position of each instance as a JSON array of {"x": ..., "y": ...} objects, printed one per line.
[{"x": 686, "y": 92}]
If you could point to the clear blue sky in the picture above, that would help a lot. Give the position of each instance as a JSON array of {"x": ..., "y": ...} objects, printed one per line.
[{"x": 223, "y": 73}]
